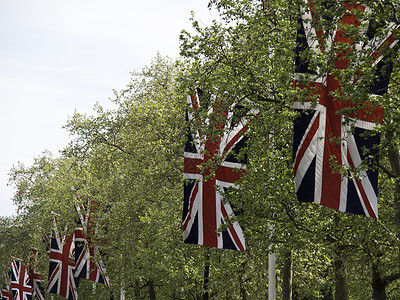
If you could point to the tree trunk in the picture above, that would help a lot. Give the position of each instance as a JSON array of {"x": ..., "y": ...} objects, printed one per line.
[
  {"x": 341, "y": 286},
  {"x": 394, "y": 159},
  {"x": 243, "y": 293},
  {"x": 206, "y": 275},
  {"x": 328, "y": 294},
  {"x": 137, "y": 289},
  {"x": 152, "y": 291},
  {"x": 242, "y": 278},
  {"x": 378, "y": 284},
  {"x": 287, "y": 275}
]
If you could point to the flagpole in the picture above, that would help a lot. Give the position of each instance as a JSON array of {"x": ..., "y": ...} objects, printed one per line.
[
  {"x": 271, "y": 268},
  {"x": 271, "y": 251},
  {"x": 122, "y": 293}
]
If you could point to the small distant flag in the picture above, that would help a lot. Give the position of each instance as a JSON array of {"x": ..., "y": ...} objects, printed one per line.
[
  {"x": 87, "y": 256},
  {"x": 62, "y": 265},
  {"x": 6, "y": 294},
  {"x": 36, "y": 278},
  {"x": 21, "y": 284}
]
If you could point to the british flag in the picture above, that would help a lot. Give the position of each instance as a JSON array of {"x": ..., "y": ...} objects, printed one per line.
[
  {"x": 205, "y": 212},
  {"x": 87, "y": 262},
  {"x": 324, "y": 137},
  {"x": 36, "y": 278},
  {"x": 6, "y": 294},
  {"x": 21, "y": 284},
  {"x": 62, "y": 265}
]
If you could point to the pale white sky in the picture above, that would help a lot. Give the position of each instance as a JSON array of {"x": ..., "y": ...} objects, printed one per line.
[{"x": 60, "y": 55}]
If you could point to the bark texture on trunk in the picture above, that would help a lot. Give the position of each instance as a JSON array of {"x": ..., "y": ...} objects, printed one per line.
[
  {"x": 287, "y": 275},
  {"x": 341, "y": 282}
]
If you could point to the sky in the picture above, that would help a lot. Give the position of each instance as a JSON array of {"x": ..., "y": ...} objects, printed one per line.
[{"x": 58, "y": 56}]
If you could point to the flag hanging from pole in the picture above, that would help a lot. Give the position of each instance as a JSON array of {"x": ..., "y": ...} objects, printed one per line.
[
  {"x": 62, "y": 265},
  {"x": 324, "y": 136},
  {"x": 6, "y": 294},
  {"x": 36, "y": 278},
  {"x": 21, "y": 284},
  {"x": 87, "y": 257},
  {"x": 204, "y": 212}
]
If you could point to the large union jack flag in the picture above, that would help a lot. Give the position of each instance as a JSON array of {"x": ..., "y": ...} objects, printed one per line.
[
  {"x": 21, "y": 284},
  {"x": 323, "y": 135},
  {"x": 62, "y": 265},
  {"x": 87, "y": 262},
  {"x": 204, "y": 212},
  {"x": 36, "y": 278}
]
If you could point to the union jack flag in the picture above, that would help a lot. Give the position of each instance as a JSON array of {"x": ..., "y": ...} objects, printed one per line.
[
  {"x": 21, "y": 284},
  {"x": 6, "y": 294},
  {"x": 87, "y": 262},
  {"x": 62, "y": 265},
  {"x": 322, "y": 132},
  {"x": 36, "y": 278},
  {"x": 204, "y": 212}
]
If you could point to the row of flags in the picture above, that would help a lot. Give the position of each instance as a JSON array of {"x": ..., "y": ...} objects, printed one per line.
[
  {"x": 322, "y": 134},
  {"x": 72, "y": 257},
  {"x": 25, "y": 282}
]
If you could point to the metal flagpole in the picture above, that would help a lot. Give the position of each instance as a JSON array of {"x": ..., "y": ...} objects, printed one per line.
[
  {"x": 271, "y": 255},
  {"x": 122, "y": 291},
  {"x": 122, "y": 297},
  {"x": 271, "y": 269}
]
